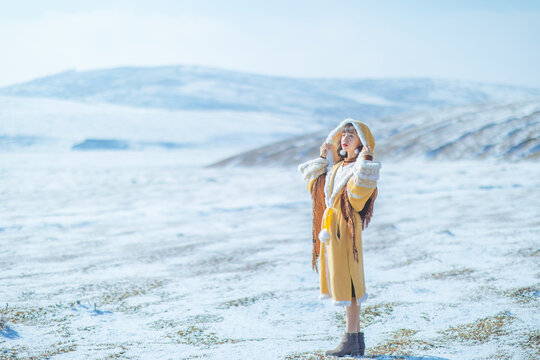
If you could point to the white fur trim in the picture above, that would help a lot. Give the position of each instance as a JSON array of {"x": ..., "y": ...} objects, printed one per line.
[
  {"x": 359, "y": 131},
  {"x": 363, "y": 183},
  {"x": 340, "y": 127},
  {"x": 348, "y": 302},
  {"x": 363, "y": 298},
  {"x": 331, "y": 159},
  {"x": 336, "y": 187},
  {"x": 324, "y": 235},
  {"x": 342, "y": 303},
  {"x": 329, "y": 177},
  {"x": 324, "y": 296},
  {"x": 312, "y": 169},
  {"x": 366, "y": 169}
]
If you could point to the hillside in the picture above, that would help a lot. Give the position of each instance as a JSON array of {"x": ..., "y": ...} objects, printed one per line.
[
  {"x": 508, "y": 130},
  {"x": 208, "y": 89}
]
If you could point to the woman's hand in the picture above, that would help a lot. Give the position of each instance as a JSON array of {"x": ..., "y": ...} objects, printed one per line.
[
  {"x": 324, "y": 149},
  {"x": 366, "y": 153}
]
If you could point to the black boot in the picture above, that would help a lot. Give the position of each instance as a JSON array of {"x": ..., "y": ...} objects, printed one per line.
[
  {"x": 361, "y": 343},
  {"x": 348, "y": 346}
]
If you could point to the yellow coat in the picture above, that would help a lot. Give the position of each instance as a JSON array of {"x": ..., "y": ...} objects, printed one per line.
[{"x": 337, "y": 266}]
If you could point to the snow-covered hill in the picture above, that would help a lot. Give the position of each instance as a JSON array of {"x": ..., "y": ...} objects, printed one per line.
[
  {"x": 201, "y": 88},
  {"x": 508, "y": 130},
  {"x": 187, "y": 108}
]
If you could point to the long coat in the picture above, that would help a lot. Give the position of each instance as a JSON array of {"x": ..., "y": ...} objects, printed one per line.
[{"x": 338, "y": 268}]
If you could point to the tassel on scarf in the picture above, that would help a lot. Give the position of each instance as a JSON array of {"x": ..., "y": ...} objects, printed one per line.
[
  {"x": 367, "y": 211},
  {"x": 348, "y": 214},
  {"x": 317, "y": 194}
]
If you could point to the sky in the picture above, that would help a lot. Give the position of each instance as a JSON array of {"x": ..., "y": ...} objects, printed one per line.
[{"x": 474, "y": 40}]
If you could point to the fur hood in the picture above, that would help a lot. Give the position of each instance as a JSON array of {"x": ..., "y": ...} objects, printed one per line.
[{"x": 362, "y": 130}]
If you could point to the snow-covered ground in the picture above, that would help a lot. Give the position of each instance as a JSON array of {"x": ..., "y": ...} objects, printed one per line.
[{"x": 139, "y": 255}]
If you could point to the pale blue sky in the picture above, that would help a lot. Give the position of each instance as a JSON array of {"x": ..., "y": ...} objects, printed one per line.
[{"x": 488, "y": 41}]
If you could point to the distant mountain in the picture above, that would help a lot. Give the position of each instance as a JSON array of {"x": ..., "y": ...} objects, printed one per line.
[
  {"x": 506, "y": 130},
  {"x": 188, "y": 107},
  {"x": 207, "y": 89}
]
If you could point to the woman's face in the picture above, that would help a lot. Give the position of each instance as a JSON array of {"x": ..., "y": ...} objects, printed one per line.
[{"x": 349, "y": 139}]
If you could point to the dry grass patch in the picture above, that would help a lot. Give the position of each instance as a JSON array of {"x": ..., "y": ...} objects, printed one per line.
[
  {"x": 255, "y": 266},
  {"x": 246, "y": 301},
  {"x": 402, "y": 342},
  {"x": 372, "y": 313},
  {"x": 406, "y": 262},
  {"x": 368, "y": 314},
  {"x": 197, "y": 356},
  {"x": 118, "y": 295},
  {"x": 195, "y": 319},
  {"x": 205, "y": 318},
  {"x": 197, "y": 333},
  {"x": 121, "y": 354},
  {"x": 200, "y": 336},
  {"x": 115, "y": 350},
  {"x": 312, "y": 355},
  {"x": 479, "y": 331},
  {"x": 501, "y": 355},
  {"x": 525, "y": 294},
  {"x": 30, "y": 315},
  {"x": 529, "y": 252},
  {"x": 450, "y": 274},
  {"x": 22, "y": 352},
  {"x": 163, "y": 324},
  {"x": 531, "y": 344}
]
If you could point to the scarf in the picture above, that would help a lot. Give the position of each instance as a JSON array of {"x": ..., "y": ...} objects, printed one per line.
[
  {"x": 317, "y": 194},
  {"x": 319, "y": 206},
  {"x": 348, "y": 161}
]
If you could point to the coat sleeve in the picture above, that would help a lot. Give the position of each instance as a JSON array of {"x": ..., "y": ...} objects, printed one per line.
[
  {"x": 312, "y": 169},
  {"x": 363, "y": 182}
]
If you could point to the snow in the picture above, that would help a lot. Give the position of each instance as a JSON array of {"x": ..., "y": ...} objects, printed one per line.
[
  {"x": 50, "y": 125},
  {"x": 143, "y": 255}
]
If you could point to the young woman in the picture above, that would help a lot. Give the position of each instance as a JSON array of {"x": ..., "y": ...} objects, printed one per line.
[{"x": 343, "y": 193}]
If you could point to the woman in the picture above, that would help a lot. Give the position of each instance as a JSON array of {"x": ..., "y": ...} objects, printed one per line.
[{"x": 343, "y": 195}]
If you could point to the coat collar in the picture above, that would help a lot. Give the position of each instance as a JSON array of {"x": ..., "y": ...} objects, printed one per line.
[{"x": 331, "y": 191}]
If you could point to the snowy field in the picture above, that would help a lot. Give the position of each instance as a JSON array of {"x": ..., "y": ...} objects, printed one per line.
[{"x": 136, "y": 255}]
